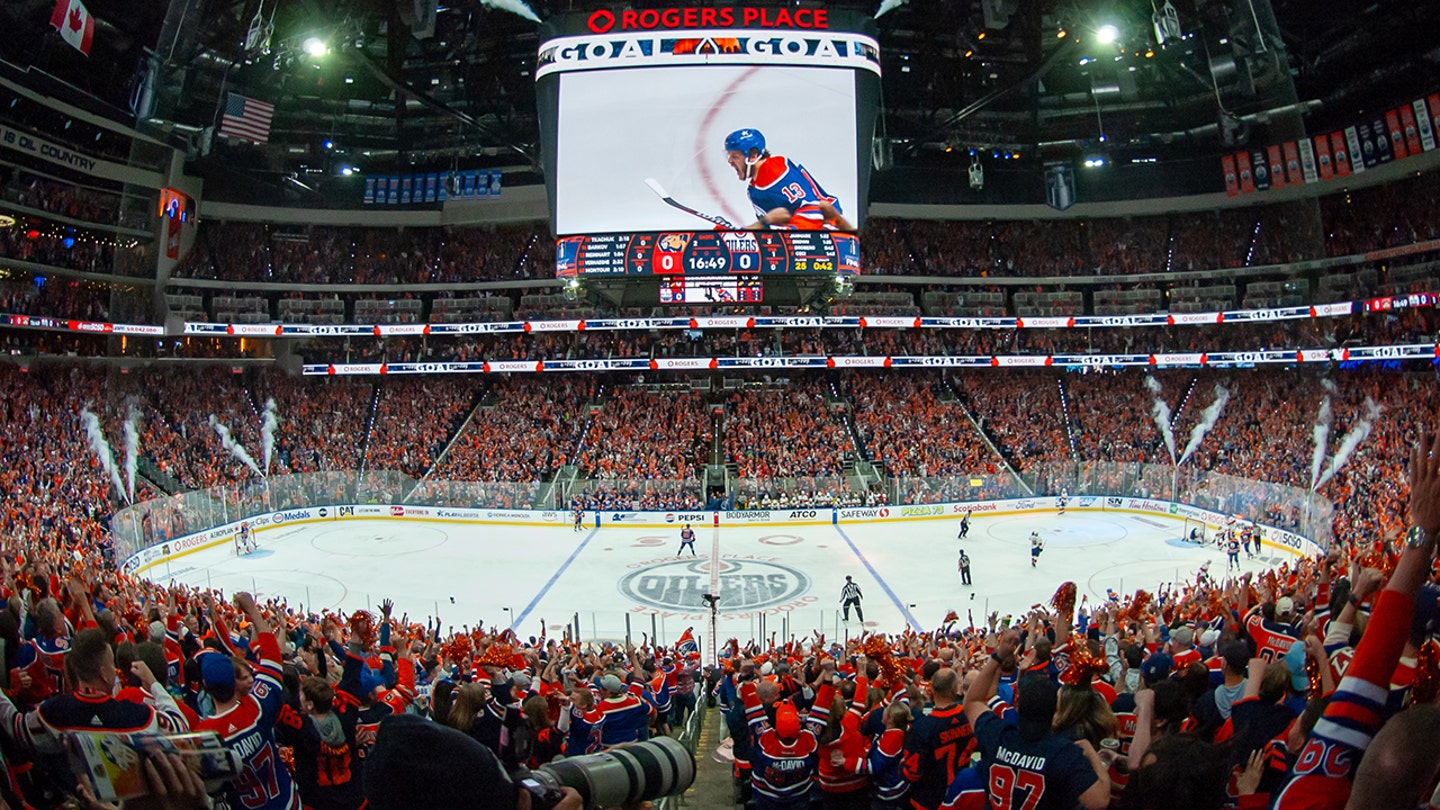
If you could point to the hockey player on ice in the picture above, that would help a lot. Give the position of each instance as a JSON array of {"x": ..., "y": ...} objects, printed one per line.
[{"x": 782, "y": 191}]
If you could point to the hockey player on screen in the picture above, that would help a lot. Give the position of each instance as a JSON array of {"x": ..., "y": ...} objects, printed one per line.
[{"x": 782, "y": 191}]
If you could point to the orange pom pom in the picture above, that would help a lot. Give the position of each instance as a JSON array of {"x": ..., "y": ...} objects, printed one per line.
[
  {"x": 1135, "y": 611},
  {"x": 1084, "y": 666},
  {"x": 458, "y": 650},
  {"x": 362, "y": 626},
  {"x": 877, "y": 649},
  {"x": 497, "y": 655},
  {"x": 1427, "y": 673},
  {"x": 1064, "y": 601}
]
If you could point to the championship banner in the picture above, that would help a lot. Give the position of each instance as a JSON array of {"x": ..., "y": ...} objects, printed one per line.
[
  {"x": 1412, "y": 132},
  {"x": 1341, "y": 153},
  {"x": 369, "y": 198},
  {"x": 1293, "y": 175},
  {"x": 1398, "y": 144},
  {"x": 1261, "y": 170},
  {"x": 1277, "y": 166},
  {"x": 1384, "y": 146},
  {"x": 1322, "y": 157},
  {"x": 1434, "y": 103},
  {"x": 1247, "y": 182},
  {"x": 1307, "y": 160},
  {"x": 1368, "y": 152},
  {"x": 1423, "y": 124},
  {"x": 1232, "y": 178},
  {"x": 1357, "y": 159}
]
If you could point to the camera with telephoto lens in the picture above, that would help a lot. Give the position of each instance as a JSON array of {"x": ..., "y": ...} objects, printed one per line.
[{"x": 628, "y": 773}]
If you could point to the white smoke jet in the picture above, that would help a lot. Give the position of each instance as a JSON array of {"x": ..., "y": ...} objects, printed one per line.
[
  {"x": 233, "y": 446},
  {"x": 267, "y": 433},
  {"x": 887, "y": 6},
  {"x": 1161, "y": 411},
  {"x": 1321, "y": 433},
  {"x": 1352, "y": 441},
  {"x": 1208, "y": 418},
  {"x": 101, "y": 448},
  {"x": 517, "y": 7},
  {"x": 132, "y": 448}
]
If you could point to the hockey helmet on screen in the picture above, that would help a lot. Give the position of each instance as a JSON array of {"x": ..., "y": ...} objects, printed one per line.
[{"x": 744, "y": 141}]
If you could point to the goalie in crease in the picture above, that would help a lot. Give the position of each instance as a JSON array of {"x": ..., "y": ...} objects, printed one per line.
[{"x": 782, "y": 191}]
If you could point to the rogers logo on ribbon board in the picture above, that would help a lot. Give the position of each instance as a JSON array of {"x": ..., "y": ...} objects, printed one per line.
[{"x": 603, "y": 21}]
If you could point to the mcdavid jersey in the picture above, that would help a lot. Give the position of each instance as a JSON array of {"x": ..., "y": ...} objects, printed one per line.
[
  {"x": 249, "y": 730},
  {"x": 780, "y": 183},
  {"x": 1046, "y": 774}
]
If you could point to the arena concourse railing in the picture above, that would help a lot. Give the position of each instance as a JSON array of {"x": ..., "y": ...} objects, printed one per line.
[{"x": 164, "y": 519}]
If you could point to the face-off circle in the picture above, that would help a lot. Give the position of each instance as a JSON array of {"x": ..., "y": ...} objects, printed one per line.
[{"x": 743, "y": 584}]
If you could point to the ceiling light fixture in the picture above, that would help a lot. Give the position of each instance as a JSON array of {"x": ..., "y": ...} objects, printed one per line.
[
  {"x": 1107, "y": 34},
  {"x": 316, "y": 47}
]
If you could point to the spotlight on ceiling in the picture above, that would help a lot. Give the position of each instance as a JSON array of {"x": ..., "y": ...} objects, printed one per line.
[
  {"x": 1094, "y": 162},
  {"x": 316, "y": 47},
  {"x": 1107, "y": 34}
]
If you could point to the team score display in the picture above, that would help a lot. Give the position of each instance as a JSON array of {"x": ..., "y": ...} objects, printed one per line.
[{"x": 707, "y": 253}]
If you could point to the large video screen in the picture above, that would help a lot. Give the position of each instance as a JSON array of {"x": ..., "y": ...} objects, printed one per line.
[
  {"x": 669, "y": 125},
  {"x": 635, "y": 127}
]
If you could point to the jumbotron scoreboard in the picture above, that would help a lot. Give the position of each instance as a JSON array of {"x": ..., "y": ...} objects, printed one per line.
[
  {"x": 707, "y": 253},
  {"x": 640, "y": 114}
]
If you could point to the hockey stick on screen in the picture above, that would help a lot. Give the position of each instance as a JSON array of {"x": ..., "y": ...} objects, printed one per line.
[{"x": 670, "y": 201}]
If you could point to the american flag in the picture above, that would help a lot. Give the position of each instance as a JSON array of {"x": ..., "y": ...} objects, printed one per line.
[{"x": 246, "y": 118}]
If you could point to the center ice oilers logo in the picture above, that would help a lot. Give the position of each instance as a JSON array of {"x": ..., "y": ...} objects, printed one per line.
[{"x": 743, "y": 584}]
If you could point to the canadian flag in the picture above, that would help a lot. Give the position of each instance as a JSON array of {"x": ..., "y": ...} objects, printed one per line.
[{"x": 74, "y": 23}]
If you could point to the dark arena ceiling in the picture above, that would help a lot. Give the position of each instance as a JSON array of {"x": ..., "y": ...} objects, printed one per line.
[{"x": 993, "y": 76}]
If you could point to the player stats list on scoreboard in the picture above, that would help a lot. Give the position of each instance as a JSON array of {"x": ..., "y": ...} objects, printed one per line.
[{"x": 708, "y": 253}]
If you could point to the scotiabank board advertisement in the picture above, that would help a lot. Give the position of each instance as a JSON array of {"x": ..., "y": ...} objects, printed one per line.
[{"x": 642, "y": 112}]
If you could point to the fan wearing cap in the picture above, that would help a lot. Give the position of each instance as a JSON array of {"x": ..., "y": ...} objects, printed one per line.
[
  {"x": 246, "y": 721},
  {"x": 785, "y": 754},
  {"x": 1182, "y": 650},
  {"x": 1273, "y": 637},
  {"x": 627, "y": 717},
  {"x": 1028, "y": 765}
]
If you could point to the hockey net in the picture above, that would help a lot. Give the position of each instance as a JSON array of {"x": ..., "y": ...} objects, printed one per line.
[{"x": 1195, "y": 532}]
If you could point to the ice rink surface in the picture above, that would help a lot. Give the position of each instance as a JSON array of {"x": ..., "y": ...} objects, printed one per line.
[{"x": 520, "y": 575}]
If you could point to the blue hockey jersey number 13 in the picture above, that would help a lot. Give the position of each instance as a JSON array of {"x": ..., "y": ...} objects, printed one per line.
[{"x": 781, "y": 183}]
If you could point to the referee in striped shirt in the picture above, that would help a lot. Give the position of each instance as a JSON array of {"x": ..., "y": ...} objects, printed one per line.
[{"x": 850, "y": 595}]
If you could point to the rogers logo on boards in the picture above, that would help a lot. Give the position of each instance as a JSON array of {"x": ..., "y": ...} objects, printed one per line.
[{"x": 603, "y": 21}]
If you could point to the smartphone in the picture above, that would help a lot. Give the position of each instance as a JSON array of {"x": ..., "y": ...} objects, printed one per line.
[{"x": 113, "y": 761}]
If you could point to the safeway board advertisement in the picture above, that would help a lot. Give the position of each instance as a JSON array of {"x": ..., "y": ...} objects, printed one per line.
[{"x": 635, "y": 119}]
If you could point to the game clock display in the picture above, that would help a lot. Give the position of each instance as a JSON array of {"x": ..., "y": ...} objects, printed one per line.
[{"x": 707, "y": 253}]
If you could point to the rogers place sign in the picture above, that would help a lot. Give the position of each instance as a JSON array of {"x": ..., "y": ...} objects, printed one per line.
[{"x": 603, "y": 21}]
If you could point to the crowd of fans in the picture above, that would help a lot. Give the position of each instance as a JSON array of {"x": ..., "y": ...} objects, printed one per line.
[
  {"x": 911, "y": 425},
  {"x": 242, "y": 251},
  {"x": 1192, "y": 695},
  {"x": 638, "y": 434},
  {"x": 785, "y": 432},
  {"x": 85, "y": 203}
]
